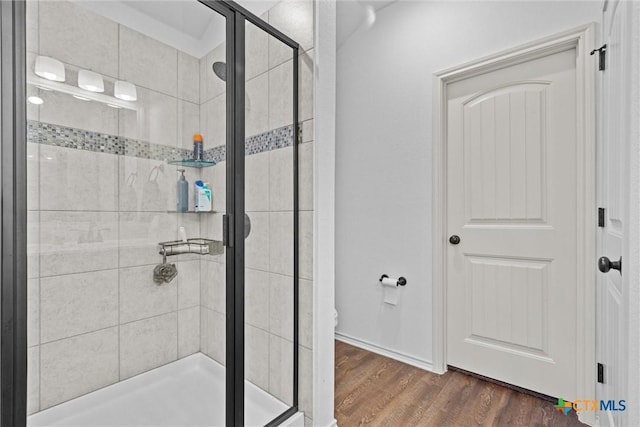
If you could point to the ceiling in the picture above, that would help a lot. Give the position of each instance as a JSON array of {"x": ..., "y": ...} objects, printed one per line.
[{"x": 184, "y": 24}]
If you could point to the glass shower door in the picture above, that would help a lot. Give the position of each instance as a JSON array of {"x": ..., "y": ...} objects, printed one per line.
[
  {"x": 271, "y": 208},
  {"x": 125, "y": 282}
]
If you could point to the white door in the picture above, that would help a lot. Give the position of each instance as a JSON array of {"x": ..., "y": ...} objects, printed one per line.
[
  {"x": 613, "y": 176},
  {"x": 511, "y": 198}
]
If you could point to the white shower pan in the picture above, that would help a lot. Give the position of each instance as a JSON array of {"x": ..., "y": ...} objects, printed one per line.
[{"x": 188, "y": 392}]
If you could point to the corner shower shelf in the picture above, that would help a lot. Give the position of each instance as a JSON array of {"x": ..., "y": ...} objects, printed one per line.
[
  {"x": 190, "y": 163},
  {"x": 191, "y": 246}
]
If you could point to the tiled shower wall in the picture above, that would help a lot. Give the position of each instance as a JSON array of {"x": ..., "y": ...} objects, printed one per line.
[
  {"x": 97, "y": 210},
  {"x": 95, "y": 218},
  {"x": 269, "y": 205}
]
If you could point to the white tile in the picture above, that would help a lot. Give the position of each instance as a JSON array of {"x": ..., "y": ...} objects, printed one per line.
[
  {"x": 33, "y": 176},
  {"x": 213, "y": 122},
  {"x": 281, "y": 95},
  {"x": 306, "y": 245},
  {"x": 146, "y": 185},
  {"x": 281, "y": 243},
  {"x": 33, "y": 379},
  {"x": 75, "y": 242},
  {"x": 281, "y": 306},
  {"x": 147, "y": 344},
  {"x": 33, "y": 312},
  {"x": 188, "y": 77},
  {"x": 33, "y": 26},
  {"x": 295, "y": 19},
  {"x": 75, "y": 366},
  {"x": 305, "y": 176},
  {"x": 188, "y": 123},
  {"x": 33, "y": 244},
  {"x": 75, "y": 304},
  {"x": 210, "y": 85},
  {"x": 211, "y": 226},
  {"x": 140, "y": 233},
  {"x": 281, "y": 368},
  {"x": 188, "y": 331},
  {"x": 74, "y": 35},
  {"x": 256, "y": 302},
  {"x": 77, "y": 180},
  {"x": 212, "y": 330},
  {"x": 64, "y": 110},
  {"x": 257, "y": 244},
  {"x": 256, "y": 185},
  {"x": 191, "y": 224},
  {"x": 256, "y": 363},
  {"x": 257, "y": 105},
  {"x": 147, "y": 62},
  {"x": 307, "y": 130},
  {"x": 188, "y": 283},
  {"x": 213, "y": 281},
  {"x": 305, "y": 306},
  {"x": 281, "y": 179},
  {"x": 305, "y": 381},
  {"x": 141, "y": 297},
  {"x": 257, "y": 51},
  {"x": 155, "y": 121},
  {"x": 305, "y": 86},
  {"x": 33, "y": 110}
]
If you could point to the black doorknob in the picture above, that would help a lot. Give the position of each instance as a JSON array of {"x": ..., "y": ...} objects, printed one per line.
[
  {"x": 605, "y": 264},
  {"x": 454, "y": 240}
]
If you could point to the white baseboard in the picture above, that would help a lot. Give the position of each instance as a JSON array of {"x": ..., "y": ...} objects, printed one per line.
[{"x": 393, "y": 354}]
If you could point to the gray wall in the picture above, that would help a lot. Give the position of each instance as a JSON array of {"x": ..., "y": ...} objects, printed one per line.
[{"x": 383, "y": 153}]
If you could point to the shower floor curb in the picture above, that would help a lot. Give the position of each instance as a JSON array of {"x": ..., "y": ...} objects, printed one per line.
[{"x": 187, "y": 392}]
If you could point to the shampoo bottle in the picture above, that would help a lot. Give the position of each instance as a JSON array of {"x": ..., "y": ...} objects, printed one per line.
[
  {"x": 182, "y": 193},
  {"x": 202, "y": 197}
]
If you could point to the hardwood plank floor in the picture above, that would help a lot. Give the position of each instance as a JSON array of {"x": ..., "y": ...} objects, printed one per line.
[{"x": 374, "y": 390}]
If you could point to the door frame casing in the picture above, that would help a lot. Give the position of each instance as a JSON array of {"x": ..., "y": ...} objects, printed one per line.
[{"x": 582, "y": 39}]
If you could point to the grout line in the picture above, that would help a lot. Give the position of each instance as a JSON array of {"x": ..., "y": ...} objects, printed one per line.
[
  {"x": 115, "y": 326},
  {"x": 119, "y": 230}
]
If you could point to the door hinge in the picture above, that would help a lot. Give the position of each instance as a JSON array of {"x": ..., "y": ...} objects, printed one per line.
[
  {"x": 299, "y": 136},
  {"x": 601, "y": 373},
  {"x": 600, "y": 217},
  {"x": 602, "y": 53}
]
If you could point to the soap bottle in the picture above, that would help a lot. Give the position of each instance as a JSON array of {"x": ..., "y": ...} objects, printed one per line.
[{"x": 182, "y": 193}]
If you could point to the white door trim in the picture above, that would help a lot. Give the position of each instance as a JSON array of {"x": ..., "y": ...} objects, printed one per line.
[{"x": 581, "y": 39}]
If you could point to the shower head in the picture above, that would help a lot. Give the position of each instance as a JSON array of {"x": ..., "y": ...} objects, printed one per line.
[{"x": 220, "y": 70}]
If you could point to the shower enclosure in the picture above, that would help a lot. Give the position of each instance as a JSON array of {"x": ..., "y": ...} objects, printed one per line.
[{"x": 138, "y": 312}]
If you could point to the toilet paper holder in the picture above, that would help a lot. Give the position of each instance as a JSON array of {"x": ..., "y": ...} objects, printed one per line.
[{"x": 400, "y": 282}]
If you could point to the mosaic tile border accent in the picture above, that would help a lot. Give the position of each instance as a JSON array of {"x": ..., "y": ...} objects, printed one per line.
[{"x": 79, "y": 139}]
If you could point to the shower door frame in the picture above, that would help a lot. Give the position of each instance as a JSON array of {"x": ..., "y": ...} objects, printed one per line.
[
  {"x": 13, "y": 235},
  {"x": 13, "y": 210}
]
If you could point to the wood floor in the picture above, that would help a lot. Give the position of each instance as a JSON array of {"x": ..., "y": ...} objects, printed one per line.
[{"x": 374, "y": 390}]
